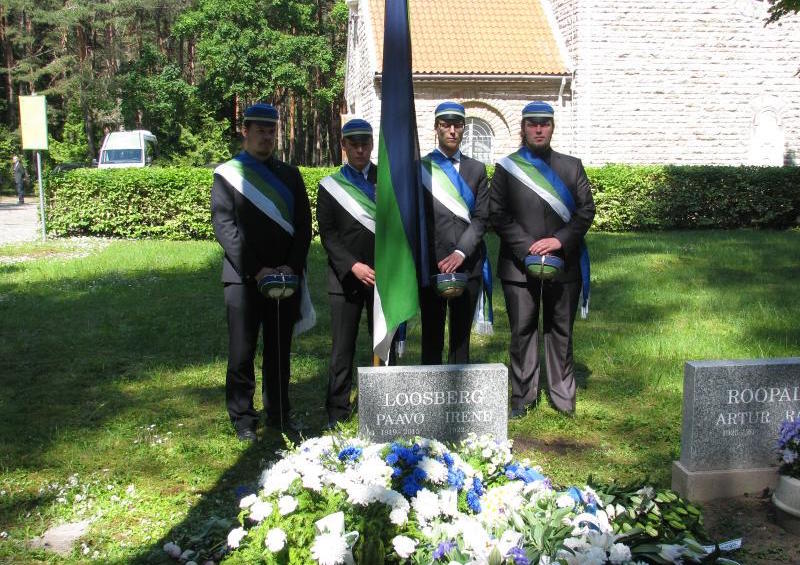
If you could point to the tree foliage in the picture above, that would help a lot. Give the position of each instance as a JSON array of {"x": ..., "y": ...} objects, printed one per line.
[
  {"x": 781, "y": 8},
  {"x": 184, "y": 69}
]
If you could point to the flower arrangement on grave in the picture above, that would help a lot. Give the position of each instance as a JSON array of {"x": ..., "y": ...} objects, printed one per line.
[
  {"x": 343, "y": 500},
  {"x": 789, "y": 448}
]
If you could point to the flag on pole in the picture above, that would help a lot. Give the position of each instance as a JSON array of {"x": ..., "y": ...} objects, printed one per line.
[{"x": 401, "y": 261}]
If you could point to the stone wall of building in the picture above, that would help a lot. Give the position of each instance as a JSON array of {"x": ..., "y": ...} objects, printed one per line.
[{"x": 682, "y": 82}]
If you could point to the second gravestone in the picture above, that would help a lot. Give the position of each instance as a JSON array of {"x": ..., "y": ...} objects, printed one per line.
[
  {"x": 443, "y": 402},
  {"x": 732, "y": 411}
]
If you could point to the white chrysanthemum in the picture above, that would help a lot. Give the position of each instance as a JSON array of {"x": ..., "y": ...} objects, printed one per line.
[
  {"x": 620, "y": 553},
  {"x": 358, "y": 494},
  {"x": 426, "y": 505},
  {"x": 275, "y": 540},
  {"x": 329, "y": 549},
  {"x": 287, "y": 504},
  {"x": 312, "y": 482},
  {"x": 248, "y": 501},
  {"x": 374, "y": 471},
  {"x": 500, "y": 501},
  {"x": 398, "y": 516},
  {"x": 435, "y": 471},
  {"x": 394, "y": 499},
  {"x": 475, "y": 536},
  {"x": 235, "y": 536},
  {"x": 448, "y": 501},
  {"x": 565, "y": 501},
  {"x": 404, "y": 546},
  {"x": 260, "y": 510},
  {"x": 278, "y": 479}
]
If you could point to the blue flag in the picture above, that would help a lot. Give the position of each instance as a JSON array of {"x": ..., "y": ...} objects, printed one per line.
[{"x": 401, "y": 262}]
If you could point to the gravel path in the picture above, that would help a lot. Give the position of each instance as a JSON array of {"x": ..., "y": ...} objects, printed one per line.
[{"x": 19, "y": 222}]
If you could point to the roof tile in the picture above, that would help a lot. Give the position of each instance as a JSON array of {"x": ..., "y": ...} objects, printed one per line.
[{"x": 477, "y": 37}]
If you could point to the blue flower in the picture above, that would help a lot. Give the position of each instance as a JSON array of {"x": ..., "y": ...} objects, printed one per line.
[
  {"x": 474, "y": 501},
  {"x": 392, "y": 458},
  {"x": 443, "y": 549},
  {"x": 396, "y": 472},
  {"x": 350, "y": 453},
  {"x": 410, "y": 486},
  {"x": 455, "y": 478},
  {"x": 448, "y": 460},
  {"x": 419, "y": 474},
  {"x": 477, "y": 486},
  {"x": 517, "y": 556}
]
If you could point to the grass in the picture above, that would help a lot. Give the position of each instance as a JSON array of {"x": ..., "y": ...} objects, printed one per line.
[{"x": 112, "y": 363}]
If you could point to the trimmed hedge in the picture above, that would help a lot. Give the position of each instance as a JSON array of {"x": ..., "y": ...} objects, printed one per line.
[{"x": 174, "y": 203}]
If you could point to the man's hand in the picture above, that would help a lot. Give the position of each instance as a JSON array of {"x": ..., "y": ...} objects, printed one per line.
[
  {"x": 545, "y": 246},
  {"x": 451, "y": 263},
  {"x": 364, "y": 273}
]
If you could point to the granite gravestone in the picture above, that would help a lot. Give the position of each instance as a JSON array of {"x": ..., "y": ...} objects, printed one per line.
[
  {"x": 443, "y": 402},
  {"x": 732, "y": 411}
]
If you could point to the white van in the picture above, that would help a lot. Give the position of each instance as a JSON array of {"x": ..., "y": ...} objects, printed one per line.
[{"x": 122, "y": 149}]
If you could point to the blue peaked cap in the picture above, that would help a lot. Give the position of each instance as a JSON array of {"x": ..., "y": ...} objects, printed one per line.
[
  {"x": 450, "y": 110},
  {"x": 261, "y": 112},
  {"x": 538, "y": 109},
  {"x": 356, "y": 126}
]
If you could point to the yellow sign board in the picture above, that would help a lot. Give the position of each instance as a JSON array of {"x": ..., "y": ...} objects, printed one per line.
[{"x": 33, "y": 122}]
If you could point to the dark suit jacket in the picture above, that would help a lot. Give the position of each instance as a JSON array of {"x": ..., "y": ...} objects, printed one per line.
[
  {"x": 447, "y": 232},
  {"x": 345, "y": 239},
  {"x": 250, "y": 239},
  {"x": 520, "y": 217}
]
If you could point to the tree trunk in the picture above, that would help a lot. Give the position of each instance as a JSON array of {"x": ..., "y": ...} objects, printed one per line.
[{"x": 8, "y": 60}]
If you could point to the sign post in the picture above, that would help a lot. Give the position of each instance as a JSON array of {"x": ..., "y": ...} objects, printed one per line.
[{"x": 33, "y": 125}]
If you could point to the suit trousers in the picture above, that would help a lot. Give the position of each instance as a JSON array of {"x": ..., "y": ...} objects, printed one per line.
[
  {"x": 345, "y": 319},
  {"x": 559, "y": 304},
  {"x": 433, "y": 310},
  {"x": 248, "y": 311}
]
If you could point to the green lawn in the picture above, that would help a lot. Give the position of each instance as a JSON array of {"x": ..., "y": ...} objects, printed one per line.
[{"x": 112, "y": 362}]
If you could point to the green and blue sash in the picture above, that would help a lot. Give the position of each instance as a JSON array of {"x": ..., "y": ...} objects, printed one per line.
[
  {"x": 354, "y": 193},
  {"x": 261, "y": 187},
  {"x": 537, "y": 175},
  {"x": 264, "y": 190},
  {"x": 440, "y": 178}
]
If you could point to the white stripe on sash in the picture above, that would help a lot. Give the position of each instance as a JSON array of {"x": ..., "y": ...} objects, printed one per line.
[
  {"x": 255, "y": 196},
  {"x": 349, "y": 203},
  {"x": 440, "y": 193},
  {"x": 556, "y": 204}
]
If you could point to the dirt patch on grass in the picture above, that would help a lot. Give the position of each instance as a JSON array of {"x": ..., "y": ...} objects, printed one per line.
[{"x": 752, "y": 518}]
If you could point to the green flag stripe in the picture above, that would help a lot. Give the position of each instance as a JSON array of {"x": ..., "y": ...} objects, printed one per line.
[{"x": 395, "y": 271}]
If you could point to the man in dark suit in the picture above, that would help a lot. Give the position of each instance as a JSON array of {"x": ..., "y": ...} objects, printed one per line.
[
  {"x": 346, "y": 218},
  {"x": 262, "y": 220},
  {"x": 457, "y": 208},
  {"x": 541, "y": 204},
  {"x": 20, "y": 177}
]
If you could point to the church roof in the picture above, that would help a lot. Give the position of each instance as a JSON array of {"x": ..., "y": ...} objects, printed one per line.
[{"x": 477, "y": 37}]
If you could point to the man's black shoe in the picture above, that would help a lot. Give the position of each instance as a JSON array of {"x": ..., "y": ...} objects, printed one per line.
[
  {"x": 246, "y": 435},
  {"x": 518, "y": 413}
]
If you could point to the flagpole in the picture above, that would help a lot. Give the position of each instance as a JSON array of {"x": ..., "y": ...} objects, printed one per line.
[{"x": 41, "y": 193}]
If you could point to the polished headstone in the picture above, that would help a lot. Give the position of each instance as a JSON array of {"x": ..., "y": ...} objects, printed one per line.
[
  {"x": 732, "y": 411},
  {"x": 444, "y": 402}
]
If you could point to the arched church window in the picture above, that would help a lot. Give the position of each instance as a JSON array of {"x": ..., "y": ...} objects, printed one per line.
[{"x": 477, "y": 141}]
